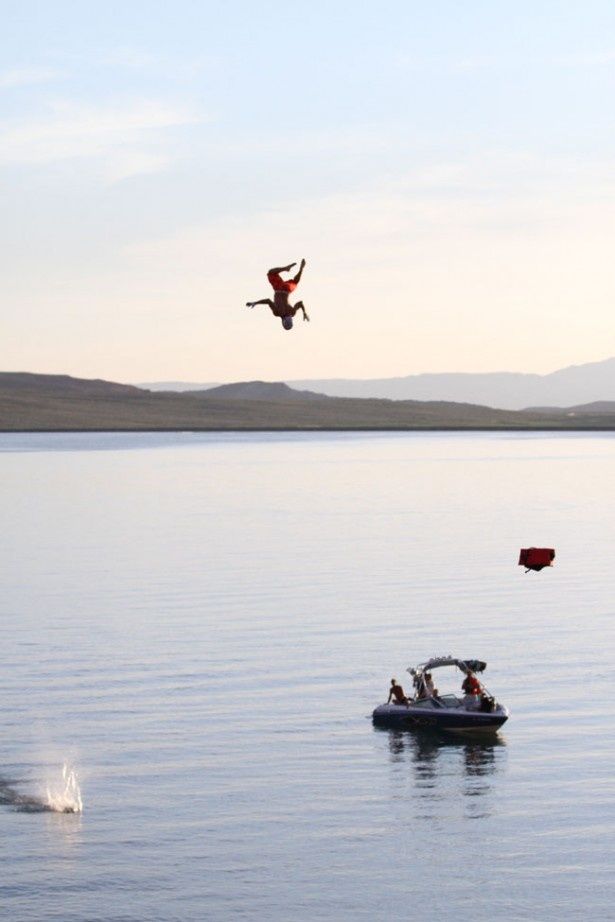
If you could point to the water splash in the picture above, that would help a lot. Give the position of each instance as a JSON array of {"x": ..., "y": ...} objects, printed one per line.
[{"x": 66, "y": 798}]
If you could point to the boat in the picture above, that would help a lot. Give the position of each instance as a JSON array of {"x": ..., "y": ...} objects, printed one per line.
[{"x": 478, "y": 712}]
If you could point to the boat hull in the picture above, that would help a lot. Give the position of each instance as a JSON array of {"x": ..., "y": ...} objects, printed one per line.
[{"x": 455, "y": 720}]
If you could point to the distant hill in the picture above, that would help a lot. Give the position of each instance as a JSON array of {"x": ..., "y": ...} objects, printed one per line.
[
  {"x": 598, "y": 407},
  {"x": 30, "y": 402},
  {"x": 23, "y": 382},
  {"x": 578, "y": 384},
  {"x": 257, "y": 390},
  {"x": 175, "y": 386}
]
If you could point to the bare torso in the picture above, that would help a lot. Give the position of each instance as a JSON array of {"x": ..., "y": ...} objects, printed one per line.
[{"x": 281, "y": 306}]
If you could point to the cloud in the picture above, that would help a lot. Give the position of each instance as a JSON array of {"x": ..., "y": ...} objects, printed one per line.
[
  {"x": 127, "y": 139},
  {"x": 445, "y": 64},
  {"x": 501, "y": 212},
  {"x": 437, "y": 65},
  {"x": 586, "y": 58},
  {"x": 28, "y": 76},
  {"x": 129, "y": 57}
]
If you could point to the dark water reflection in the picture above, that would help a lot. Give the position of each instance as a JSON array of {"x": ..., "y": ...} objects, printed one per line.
[
  {"x": 442, "y": 765},
  {"x": 11, "y": 796}
]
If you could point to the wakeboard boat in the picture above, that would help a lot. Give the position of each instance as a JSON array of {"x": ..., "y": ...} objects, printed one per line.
[{"x": 477, "y": 710}]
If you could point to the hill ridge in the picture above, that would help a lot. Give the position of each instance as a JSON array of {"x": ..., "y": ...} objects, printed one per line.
[
  {"x": 30, "y": 402},
  {"x": 572, "y": 385}
]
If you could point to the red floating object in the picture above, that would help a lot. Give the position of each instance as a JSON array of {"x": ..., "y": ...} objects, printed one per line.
[{"x": 535, "y": 558}]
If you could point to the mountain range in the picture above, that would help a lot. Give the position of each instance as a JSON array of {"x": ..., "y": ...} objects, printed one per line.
[
  {"x": 31, "y": 402},
  {"x": 572, "y": 386}
]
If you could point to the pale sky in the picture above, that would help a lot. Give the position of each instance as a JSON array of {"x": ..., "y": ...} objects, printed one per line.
[{"x": 446, "y": 169}]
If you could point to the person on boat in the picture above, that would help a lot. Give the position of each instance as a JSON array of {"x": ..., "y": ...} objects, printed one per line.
[
  {"x": 425, "y": 687},
  {"x": 280, "y": 306},
  {"x": 397, "y": 692},
  {"x": 471, "y": 687}
]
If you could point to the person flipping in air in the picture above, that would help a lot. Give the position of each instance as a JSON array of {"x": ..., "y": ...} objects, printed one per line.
[{"x": 280, "y": 306}]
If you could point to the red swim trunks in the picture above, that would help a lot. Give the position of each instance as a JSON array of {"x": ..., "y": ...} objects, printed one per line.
[{"x": 278, "y": 283}]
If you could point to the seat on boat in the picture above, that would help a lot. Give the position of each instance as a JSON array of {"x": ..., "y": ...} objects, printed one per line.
[
  {"x": 427, "y": 703},
  {"x": 449, "y": 701}
]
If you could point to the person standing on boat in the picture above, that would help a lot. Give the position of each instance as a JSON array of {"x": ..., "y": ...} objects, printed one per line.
[
  {"x": 425, "y": 687},
  {"x": 472, "y": 688},
  {"x": 397, "y": 692}
]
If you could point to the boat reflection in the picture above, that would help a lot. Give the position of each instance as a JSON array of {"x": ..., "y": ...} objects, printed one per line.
[{"x": 443, "y": 766}]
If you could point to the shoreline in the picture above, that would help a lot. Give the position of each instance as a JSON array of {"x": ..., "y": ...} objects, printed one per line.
[{"x": 158, "y": 429}]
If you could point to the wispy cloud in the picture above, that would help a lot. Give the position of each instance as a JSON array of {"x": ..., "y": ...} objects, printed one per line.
[
  {"x": 29, "y": 76},
  {"x": 492, "y": 203},
  {"x": 418, "y": 64},
  {"x": 129, "y": 57},
  {"x": 128, "y": 139},
  {"x": 443, "y": 64},
  {"x": 164, "y": 66},
  {"x": 596, "y": 58}
]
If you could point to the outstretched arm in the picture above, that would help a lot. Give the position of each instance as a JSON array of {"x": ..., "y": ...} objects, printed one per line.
[
  {"x": 299, "y": 307},
  {"x": 297, "y": 278},
  {"x": 266, "y": 301}
]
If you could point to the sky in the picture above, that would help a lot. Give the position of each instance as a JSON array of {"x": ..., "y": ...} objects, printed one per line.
[{"x": 445, "y": 168}]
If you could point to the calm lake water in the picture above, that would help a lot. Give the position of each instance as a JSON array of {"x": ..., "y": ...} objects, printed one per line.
[{"x": 202, "y": 624}]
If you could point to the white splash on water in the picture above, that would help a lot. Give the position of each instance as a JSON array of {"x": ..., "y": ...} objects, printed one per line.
[{"x": 66, "y": 797}]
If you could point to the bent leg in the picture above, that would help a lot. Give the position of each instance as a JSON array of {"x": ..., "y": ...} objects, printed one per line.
[
  {"x": 278, "y": 269},
  {"x": 297, "y": 278}
]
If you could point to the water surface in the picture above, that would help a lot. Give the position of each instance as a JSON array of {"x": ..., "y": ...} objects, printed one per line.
[{"x": 203, "y": 623}]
